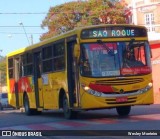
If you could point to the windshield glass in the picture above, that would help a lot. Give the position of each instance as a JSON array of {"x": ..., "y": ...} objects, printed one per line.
[{"x": 115, "y": 59}]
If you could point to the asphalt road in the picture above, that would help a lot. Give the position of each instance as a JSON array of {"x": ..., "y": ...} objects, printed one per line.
[{"x": 143, "y": 120}]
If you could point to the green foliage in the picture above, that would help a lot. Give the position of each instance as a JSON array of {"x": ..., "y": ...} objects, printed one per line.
[
  {"x": 70, "y": 15},
  {"x": 3, "y": 71}
]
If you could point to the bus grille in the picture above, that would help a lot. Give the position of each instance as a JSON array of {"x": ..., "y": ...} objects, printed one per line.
[
  {"x": 120, "y": 81},
  {"x": 113, "y": 101},
  {"x": 126, "y": 92}
]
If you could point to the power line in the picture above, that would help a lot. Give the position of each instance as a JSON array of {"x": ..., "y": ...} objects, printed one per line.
[
  {"x": 28, "y": 13},
  {"x": 25, "y": 13},
  {"x": 19, "y": 26},
  {"x": 18, "y": 33}
]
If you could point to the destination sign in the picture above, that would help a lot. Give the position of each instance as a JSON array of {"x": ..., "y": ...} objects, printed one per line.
[{"x": 113, "y": 32}]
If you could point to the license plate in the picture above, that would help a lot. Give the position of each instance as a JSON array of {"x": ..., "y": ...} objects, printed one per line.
[{"x": 121, "y": 99}]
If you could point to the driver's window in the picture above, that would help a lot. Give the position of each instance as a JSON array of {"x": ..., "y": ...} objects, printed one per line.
[
  {"x": 140, "y": 54},
  {"x": 85, "y": 61},
  {"x": 134, "y": 56}
]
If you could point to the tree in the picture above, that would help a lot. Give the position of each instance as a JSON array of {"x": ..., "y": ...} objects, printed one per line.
[
  {"x": 70, "y": 15},
  {"x": 3, "y": 71}
]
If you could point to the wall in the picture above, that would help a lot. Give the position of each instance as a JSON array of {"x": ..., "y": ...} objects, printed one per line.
[{"x": 156, "y": 71}]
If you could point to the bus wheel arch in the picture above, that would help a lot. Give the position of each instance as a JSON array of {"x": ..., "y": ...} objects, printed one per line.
[{"x": 123, "y": 110}]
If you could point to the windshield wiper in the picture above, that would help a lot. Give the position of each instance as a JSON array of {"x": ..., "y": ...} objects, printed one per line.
[{"x": 110, "y": 51}]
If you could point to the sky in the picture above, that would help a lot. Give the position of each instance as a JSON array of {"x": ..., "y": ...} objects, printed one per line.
[{"x": 14, "y": 25}]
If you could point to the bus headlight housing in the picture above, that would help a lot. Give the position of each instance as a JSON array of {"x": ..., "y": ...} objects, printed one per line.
[
  {"x": 92, "y": 92},
  {"x": 148, "y": 87}
]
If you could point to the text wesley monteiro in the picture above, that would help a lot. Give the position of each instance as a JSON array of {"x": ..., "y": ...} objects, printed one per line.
[{"x": 143, "y": 133}]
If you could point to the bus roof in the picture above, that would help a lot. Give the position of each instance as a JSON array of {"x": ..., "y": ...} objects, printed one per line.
[
  {"x": 76, "y": 31},
  {"x": 47, "y": 41}
]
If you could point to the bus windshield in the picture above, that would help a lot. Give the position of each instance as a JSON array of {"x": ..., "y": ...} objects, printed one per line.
[{"x": 115, "y": 58}]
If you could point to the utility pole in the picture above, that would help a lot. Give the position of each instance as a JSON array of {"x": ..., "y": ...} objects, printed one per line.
[
  {"x": 21, "y": 24},
  {"x": 31, "y": 39},
  {"x": 134, "y": 12}
]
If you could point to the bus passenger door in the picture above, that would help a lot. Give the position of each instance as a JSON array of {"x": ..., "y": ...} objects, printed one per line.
[
  {"x": 17, "y": 74},
  {"x": 72, "y": 76},
  {"x": 37, "y": 80}
]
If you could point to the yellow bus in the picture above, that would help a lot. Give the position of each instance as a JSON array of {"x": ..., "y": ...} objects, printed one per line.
[{"x": 94, "y": 67}]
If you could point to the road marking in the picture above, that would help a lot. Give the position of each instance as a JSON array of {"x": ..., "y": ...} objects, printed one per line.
[
  {"x": 146, "y": 117},
  {"x": 40, "y": 127},
  {"x": 73, "y": 123},
  {"x": 62, "y": 125},
  {"x": 104, "y": 120},
  {"x": 66, "y": 124}
]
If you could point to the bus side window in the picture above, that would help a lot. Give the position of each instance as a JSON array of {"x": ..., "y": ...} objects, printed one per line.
[
  {"x": 46, "y": 59},
  {"x": 58, "y": 56},
  {"x": 39, "y": 64},
  {"x": 39, "y": 71},
  {"x": 10, "y": 68}
]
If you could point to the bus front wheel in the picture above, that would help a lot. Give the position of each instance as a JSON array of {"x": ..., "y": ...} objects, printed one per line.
[
  {"x": 123, "y": 110},
  {"x": 68, "y": 113},
  {"x": 27, "y": 108}
]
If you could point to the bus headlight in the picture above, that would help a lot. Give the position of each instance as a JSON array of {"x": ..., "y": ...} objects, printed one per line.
[
  {"x": 148, "y": 87},
  {"x": 86, "y": 88},
  {"x": 150, "y": 84},
  {"x": 92, "y": 92}
]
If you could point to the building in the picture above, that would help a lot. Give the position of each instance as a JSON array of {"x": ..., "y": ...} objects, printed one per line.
[{"x": 146, "y": 13}]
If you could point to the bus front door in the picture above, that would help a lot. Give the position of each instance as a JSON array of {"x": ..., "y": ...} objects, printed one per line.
[
  {"x": 73, "y": 76},
  {"x": 37, "y": 80}
]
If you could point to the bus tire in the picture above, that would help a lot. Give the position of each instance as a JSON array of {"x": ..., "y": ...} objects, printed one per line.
[
  {"x": 68, "y": 113},
  {"x": 27, "y": 109},
  {"x": 123, "y": 110}
]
